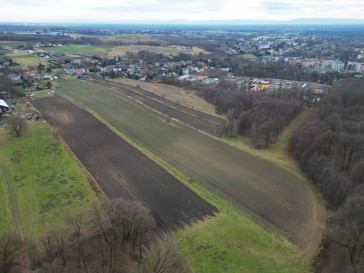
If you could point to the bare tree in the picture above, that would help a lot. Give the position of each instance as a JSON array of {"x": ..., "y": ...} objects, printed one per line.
[
  {"x": 16, "y": 124},
  {"x": 165, "y": 257},
  {"x": 33, "y": 253},
  {"x": 78, "y": 228},
  {"x": 10, "y": 251}
]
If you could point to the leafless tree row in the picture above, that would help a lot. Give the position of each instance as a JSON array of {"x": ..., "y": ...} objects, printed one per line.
[
  {"x": 330, "y": 147},
  {"x": 112, "y": 236}
]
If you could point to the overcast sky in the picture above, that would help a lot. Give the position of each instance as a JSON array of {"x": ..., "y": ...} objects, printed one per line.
[{"x": 112, "y": 11}]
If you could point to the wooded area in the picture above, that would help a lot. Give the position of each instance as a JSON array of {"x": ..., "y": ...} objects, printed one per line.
[
  {"x": 112, "y": 236},
  {"x": 261, "y": 116},
  {"x": 330, "y": 147}
]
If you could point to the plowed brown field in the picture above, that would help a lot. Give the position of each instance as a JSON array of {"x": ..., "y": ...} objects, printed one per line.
[{"x": 120, "y": 169}]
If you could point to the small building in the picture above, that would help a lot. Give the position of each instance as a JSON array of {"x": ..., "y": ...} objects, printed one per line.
[
  {"x": 3, "y": 107},
  {"x": 80, "y": 72}
]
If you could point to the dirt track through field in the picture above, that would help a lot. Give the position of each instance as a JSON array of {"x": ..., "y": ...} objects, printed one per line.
[
  {"x": 18, "y": 229},
  {"x": 120, "y": 169},
  {"x": 202, "y": 121}
]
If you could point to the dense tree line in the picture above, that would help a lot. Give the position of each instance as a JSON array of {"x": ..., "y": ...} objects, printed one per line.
[
  {"x": 330, "y": 147},
  {"x": 264, "y": 123},
  {"x": 279, "y": 70},
  {"x": 112, "y": 236},
  {"x": 260, "y": 116}
]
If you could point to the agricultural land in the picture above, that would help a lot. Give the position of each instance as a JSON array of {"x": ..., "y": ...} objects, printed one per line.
[
  {"x": 80, "y": 49},
  {"x": 229, "y": 241},
  {"x": 133, "y": 38},
  {"x": 199, "y": 120},
  {"x": 226, "y": 148},
  {"x": 271, "y": 194},
  {"x": 183, "y": 96},
  {"x": 27, "y": 59},
  {"x": 121, "y": 170},
  {"x": 121, "y": 50}
]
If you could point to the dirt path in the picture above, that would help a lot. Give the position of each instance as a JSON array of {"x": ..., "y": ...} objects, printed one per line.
[{"x": 12, "y": 200}]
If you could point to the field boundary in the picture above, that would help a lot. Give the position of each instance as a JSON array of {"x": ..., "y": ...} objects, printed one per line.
[{"x": 99, "y": 192}]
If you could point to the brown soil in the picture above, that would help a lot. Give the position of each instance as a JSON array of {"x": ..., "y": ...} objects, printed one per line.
[{"x": 121, "y": 170}]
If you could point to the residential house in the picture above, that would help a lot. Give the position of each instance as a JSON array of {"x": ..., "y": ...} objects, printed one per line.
[{"x": 3, "y": 107}]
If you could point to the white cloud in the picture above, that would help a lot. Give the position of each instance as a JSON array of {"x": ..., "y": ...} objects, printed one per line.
[{"x": 124, "y": 10}]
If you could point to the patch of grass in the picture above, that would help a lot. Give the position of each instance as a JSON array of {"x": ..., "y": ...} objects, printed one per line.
[
  {"x": 186, "y": 97},
  {"x": 248, "y": 56},
  {"x": 121, "y": 50},
  {"x": 281, "y": 145},
  {"x": 42, "y": 93},
  {"x": 27, "y": 59},
  {"x": 132, "y": 38},
  {"x": 234, "y": 243},
  {"x": 49, "y": 185},
  {"x": 5, "y": 216},
  {"x": 79, "y": 49}
]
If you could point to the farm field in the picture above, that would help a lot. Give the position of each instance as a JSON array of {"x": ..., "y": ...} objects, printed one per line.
[
  {"x": 27, "y": 59},
  {"x": 247, "y": 56},
  {"x": 186, "y": 97},
  {"x": 272, "y": 195},
  {"x": 79, "y": 49},
  {"x": 121, "y": 50},
  {"x": 202, "y": 121},
  {"x": 121, "y": 170},
  {"x": 49, "y": 185},
  {"x": 132, "y": 38}
]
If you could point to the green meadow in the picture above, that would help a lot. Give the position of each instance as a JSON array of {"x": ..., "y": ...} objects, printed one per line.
[
  {"x": 79, "y": 49},
  {"x": 48, "y": 183}
]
